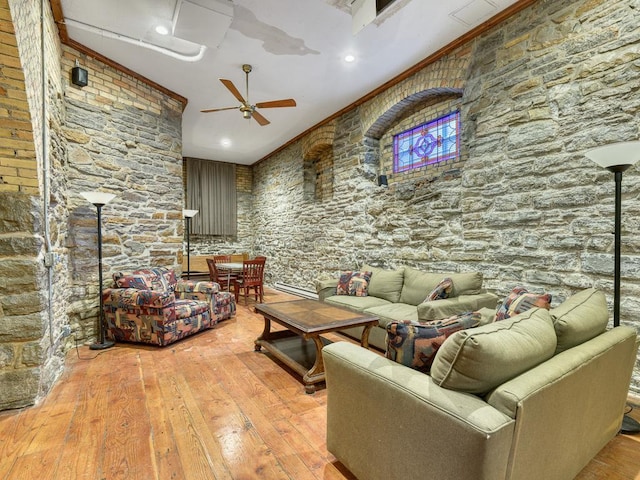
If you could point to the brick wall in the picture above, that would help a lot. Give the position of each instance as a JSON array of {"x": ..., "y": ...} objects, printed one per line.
[{"x": 18, "y": 166}]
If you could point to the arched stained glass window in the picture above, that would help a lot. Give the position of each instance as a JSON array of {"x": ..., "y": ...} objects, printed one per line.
[{"x": 432, "y": 142}]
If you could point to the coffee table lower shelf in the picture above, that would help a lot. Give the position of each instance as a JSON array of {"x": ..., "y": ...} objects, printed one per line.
[
  {"x": 300, "y": 345},
  {"x": 297, "y": 353}
]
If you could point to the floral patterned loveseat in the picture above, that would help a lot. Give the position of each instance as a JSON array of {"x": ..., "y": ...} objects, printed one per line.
[{"x": 151, "y": 306}]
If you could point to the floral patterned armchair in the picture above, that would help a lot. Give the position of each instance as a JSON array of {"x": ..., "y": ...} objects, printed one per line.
[{"x": 152, "y": 306}]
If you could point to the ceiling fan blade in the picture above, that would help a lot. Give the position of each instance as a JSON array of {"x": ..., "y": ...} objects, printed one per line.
[
  {"x": 218, "y": 109},
  {"x": 289, "y": 102},
  {"x": 232, "y": 88},
  {"x": 260, "y": 119}
]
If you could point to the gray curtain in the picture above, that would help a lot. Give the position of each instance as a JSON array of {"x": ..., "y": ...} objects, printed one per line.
[{"x": 211, "y": 189}]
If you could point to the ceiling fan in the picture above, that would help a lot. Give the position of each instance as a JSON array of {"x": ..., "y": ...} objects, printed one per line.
[{"x": 248, "y": 110}]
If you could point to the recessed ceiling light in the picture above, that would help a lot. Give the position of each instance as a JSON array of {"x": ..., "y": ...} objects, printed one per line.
[
  {"x": 349, "y": 58},
  {"x": 162, "y": 30},
  {"x": 225, "y": 142}
]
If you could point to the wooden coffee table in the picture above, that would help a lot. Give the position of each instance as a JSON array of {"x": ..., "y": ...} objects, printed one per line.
[{"x": 300, "y": 346}]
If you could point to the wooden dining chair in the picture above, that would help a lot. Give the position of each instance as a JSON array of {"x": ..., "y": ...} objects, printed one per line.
[
  {"x": 222, "y": 278},
  {"x": 252, "y": 277},
  {"x": 239, "y": 257}
]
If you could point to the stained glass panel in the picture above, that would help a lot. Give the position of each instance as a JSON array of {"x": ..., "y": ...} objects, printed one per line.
[{"x": 431, "y": 142}]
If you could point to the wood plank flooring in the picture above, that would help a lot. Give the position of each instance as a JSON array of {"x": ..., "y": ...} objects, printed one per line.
[{"x": 207, "y": 407}]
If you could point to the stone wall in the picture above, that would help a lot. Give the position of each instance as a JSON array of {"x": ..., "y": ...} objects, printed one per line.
[
  {"x": 122, "y": 137},
  {"x": 30, "y": 349},
  {"x": 118, "y": 135},
  {"x": 524, "y": 206}
]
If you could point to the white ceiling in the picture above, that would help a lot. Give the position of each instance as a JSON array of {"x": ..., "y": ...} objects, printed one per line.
[{"x": 296, "y": 48}]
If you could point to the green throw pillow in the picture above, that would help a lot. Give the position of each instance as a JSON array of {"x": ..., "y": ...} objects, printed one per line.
[
  {"x": 579, "y": 318},
  {"x": 480, "y": 359}
]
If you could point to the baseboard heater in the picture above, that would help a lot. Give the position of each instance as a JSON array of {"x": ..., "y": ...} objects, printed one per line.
[{"x": 294, "y": 290}]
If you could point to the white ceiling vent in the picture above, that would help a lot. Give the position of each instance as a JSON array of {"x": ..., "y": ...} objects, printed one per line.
[
  {"x": 363, "y": 12},
  {"x": 474, "y": 12},
  {"x": 203, "y": 21}
]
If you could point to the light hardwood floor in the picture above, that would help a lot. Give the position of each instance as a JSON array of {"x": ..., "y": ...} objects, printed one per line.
[{"x": 207, "y": 407}]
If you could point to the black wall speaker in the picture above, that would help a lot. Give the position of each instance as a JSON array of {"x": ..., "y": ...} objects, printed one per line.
[
  {"x": 382, "y": 180},
  {"x": 79, "y": 76}
]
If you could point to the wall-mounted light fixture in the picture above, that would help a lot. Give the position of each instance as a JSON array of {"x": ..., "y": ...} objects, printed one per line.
[{"x": 79, "y": 75}]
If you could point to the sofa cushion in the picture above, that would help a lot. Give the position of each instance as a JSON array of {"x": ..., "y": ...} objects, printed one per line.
[
  {"x": 359, "y": 304},
  {"x": 390, "y": 312},
  {"x": 189, "y": 308},
  {"x": 466, "y": 283},
  {"x": 353, "y": 283},
  {"x": 520, "y": 300},
  {"x": 442, "y": 290},
  {"x": 447, "y": 307},
  {"x": 480, "y": 359},
  {"x": 581, "y": 317},
  {"x": 386, "y": 284},
  {"x": 415, "y": 344},
  {"x": 417, "y": 284}
]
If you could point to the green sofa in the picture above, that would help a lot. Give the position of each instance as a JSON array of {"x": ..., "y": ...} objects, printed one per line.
[
  {"x": 399, "y": 295},
  {"x": 535, "y": 396}
]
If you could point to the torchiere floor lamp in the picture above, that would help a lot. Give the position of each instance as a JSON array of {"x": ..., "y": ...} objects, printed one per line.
[
  {"x": 99, "y": 200},
  {"x": 188, "y": 215},
  {"x": 618, "y": 157}
]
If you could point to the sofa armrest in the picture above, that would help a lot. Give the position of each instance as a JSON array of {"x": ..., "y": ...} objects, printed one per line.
[
  {"x": 203, "y": 291},
  {"x": 553, "y": 411},
  {"x": 325, "y": 287},
  {"x": 447, "y": 307},
  {"x": 385, "y": 420},
  {"x": 133, "y": 297}
]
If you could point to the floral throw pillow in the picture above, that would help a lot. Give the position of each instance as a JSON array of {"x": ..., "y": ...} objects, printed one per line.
[
  {"x": 355, "y": 284},
  {"x": 442, "y": 290},
  {"x": 520, "y": 300},
  {"x": 415, "y": 344}
]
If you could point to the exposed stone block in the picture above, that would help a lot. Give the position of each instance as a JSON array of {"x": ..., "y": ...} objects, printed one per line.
[{"x": 19, "y": 387}]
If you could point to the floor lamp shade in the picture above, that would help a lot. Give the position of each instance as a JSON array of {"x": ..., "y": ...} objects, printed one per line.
[
  {"x": 188, "y": 215},
  {"x": 99, "y": 200},
  {"x": 618, "y": 157},
  {"x": 615, "y": 155}
]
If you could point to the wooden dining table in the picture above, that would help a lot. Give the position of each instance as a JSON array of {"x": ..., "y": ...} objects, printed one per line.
[{"x": 229, "y": 268}]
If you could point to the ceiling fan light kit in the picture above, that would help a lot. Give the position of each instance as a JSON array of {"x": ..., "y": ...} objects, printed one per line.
[{"x": 249, "y": 111}]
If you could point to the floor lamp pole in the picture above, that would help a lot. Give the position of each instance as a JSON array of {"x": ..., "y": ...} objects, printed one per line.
[
  {"x": 99, "y": 200},
  {"x": 609, "y": 157},
  {"x": 188, "y": 215},
  {"x": 617, "y": 170},
  {"x": 102, "y": 342},
  {"x": 188, "y": 219}
]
